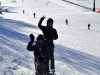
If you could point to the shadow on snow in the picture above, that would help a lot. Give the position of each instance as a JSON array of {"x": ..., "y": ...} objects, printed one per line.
[
  {"x": 7, "y": 9},
  {"x": 80, "y": 61},
  {"x": 13, "y": 44}
]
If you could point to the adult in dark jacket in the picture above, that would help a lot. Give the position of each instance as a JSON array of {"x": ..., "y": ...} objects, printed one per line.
[
  {"x": 50, "y": 34},
  {"x": 40, "y": 48}
]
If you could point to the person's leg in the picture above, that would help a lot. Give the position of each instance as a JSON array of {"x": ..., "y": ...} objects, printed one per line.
[{"x": 52, "y": 59}]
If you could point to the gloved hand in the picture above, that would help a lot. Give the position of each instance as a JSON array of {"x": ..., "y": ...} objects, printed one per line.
[
  {"x": 42, "y": 18},
  {"x": 32, "y": 37}
]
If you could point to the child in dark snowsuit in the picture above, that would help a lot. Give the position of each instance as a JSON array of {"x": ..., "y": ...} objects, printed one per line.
[{"x": 40, "y": 48}]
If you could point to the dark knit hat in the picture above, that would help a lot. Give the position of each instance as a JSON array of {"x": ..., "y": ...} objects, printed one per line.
[
  {"x": 50, "y": 20},
  {"x": 40, "y": 36}
]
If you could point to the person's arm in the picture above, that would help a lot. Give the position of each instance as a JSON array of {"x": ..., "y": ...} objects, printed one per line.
[
  {"x": 29, "y": 46},
  {"x": 40, "y": 23},
  {"x": 55, "y": 36}
]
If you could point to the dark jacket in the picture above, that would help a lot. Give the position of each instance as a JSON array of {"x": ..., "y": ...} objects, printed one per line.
[
  {"x": 40, "y": 50},
  {"x": 48, "y": 32}
]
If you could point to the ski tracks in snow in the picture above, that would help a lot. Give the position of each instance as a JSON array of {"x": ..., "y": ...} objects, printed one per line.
[{"x": 73, "y": 62}]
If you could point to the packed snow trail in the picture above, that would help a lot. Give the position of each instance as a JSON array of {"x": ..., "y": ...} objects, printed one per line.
[{"x": 77, "y": 50}]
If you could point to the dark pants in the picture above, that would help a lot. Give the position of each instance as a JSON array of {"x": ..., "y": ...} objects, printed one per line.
[
  {"x": 41, "y": 66},
  {"x": 52, "y": 58}
]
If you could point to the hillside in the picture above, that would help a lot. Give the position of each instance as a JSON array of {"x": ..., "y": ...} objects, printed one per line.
[{"x": 77, "y": 50}]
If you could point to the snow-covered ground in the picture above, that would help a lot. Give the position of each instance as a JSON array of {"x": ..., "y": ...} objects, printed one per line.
[{"x": 77, "y": 51}]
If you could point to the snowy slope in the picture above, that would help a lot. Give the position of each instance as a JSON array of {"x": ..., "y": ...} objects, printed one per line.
[
  {"x": 77, "y": 51},
  {"x": 87, "y": 3}
]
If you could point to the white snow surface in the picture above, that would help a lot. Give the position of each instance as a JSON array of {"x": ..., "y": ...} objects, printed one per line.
[
  {"x": 87, "y": 3},
  {"x": 77, "y": 50}
]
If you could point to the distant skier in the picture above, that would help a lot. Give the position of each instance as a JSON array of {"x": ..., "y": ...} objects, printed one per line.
[
  {"x": 23, "y": 11},
  {"x": 34, "y": 15},
  {"x": 50, "y": 34},
  {"x": 1, "y": 12},
  {"x": 6, "y": 10},
  {"x": 41, "y": 54},
  {"x": 89, "y": 26},
  {"x": 0, "y": 4},
  {"x": 47, "y": 3},
  {"x": 66, "y": 21}
]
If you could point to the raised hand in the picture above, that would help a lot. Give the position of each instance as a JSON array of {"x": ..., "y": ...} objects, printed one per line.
[
  {"x": 31, "y": 37},
  {"x": 43, "y": 17}
]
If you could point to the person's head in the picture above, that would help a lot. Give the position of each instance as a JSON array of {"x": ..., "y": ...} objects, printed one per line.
[
  {"x": 40, "y": 38},
  {"x": 50, "y": 22}
]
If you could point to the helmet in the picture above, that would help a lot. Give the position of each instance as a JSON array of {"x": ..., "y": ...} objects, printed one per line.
[
  {"x": 50, "y": 20},
  {"x": 40, "y": 36}
]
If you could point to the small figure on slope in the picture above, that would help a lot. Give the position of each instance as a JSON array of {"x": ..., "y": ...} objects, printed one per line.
[
  {"x": 89, "y": 26},
  {"x": 34, "y": 15}
]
